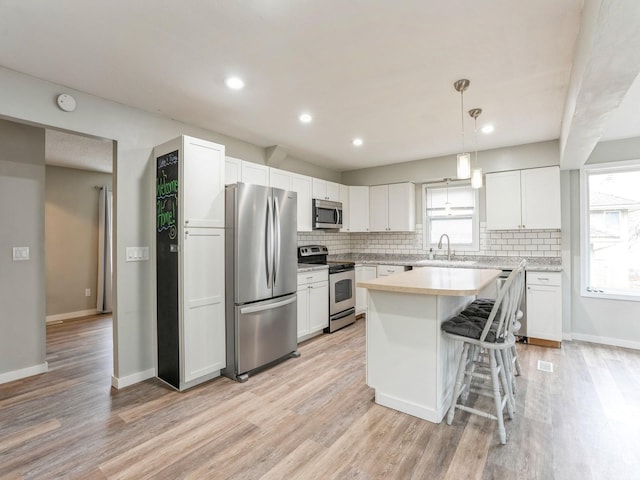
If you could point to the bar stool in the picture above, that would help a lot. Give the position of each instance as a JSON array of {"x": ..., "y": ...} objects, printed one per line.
[
  {"x": 487, "y": 338},
  {"x": 483, "y": 306}
]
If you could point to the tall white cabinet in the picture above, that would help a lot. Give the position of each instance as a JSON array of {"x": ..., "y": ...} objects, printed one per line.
[{"x": 190, "y": 177}]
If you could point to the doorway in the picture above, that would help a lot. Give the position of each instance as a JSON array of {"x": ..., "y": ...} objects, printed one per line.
[{"x": 78, "y": 225}]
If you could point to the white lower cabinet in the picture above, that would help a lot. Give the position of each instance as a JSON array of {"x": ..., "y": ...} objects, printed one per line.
[
  {"x": 363, "y": 274},
  {"x": 313, "y": 303},
  {"x": 544, "y": 306}
]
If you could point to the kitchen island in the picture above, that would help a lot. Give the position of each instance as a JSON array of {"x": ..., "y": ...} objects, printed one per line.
[{"x": 410, "y": 364}]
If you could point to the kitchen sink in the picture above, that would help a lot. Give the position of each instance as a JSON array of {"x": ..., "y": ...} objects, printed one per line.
[{"x": 445, "y": 263}]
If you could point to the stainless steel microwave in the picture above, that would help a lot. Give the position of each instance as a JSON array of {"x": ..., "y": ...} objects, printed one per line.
[{"x": 326, "y": 214}]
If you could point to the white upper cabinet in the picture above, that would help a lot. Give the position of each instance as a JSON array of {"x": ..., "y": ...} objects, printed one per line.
[
  {"x": 523, "y": 199},
  {"x": 358, "y": 209},
  {"x": 237, "y": 170},
  {"x": 255, "y": 173},
  {"x": 232, "y": 170},
  {"x": 324, "y": 190},
  {"x": 344, "y": 199},
  {"x": 379, "y": 208},
  {"x": 392, "y": 208},
  {"x": 301, "y": 184},
  {"x": 204, "y": 173},
  {"x": 280, "y": 179}
]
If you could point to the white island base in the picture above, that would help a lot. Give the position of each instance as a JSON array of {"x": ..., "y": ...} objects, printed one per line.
[{"x": 410, "y": 363}]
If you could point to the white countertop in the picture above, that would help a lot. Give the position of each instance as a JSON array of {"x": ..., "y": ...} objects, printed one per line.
[{"x": 435, "y": 281}]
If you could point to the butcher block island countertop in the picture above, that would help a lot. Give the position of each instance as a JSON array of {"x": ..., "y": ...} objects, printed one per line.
[
  {"x": 435, "y": 281},
  {"x": 411, "y": 364}
]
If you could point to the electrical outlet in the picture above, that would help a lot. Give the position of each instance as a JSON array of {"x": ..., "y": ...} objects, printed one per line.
[
  {"x": 20, "y": 254},
  {"x": 87, "y": 292}
]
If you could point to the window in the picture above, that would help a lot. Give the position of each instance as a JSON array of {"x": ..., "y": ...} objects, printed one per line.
[
  {"x": 611, "y": 233},
  {"x": 451, "y": 209}
]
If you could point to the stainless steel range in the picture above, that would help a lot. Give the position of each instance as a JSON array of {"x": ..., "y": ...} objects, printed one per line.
[{"x": 342, "y": 285}]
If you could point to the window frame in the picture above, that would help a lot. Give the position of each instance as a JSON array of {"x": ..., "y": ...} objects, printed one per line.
[
  {"x": 475, "y": 217},
  {"x": 585, "y": 228}
]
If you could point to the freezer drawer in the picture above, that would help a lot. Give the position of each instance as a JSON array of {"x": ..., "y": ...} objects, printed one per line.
[{"x": 264, "y": 332}]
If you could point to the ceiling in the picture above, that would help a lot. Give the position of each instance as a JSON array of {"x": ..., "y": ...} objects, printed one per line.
[{"x": 376, "y": 69}]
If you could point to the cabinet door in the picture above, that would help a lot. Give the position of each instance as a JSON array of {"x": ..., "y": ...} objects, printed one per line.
[
  {"x": 203, "y": 321},
  {"x": 344, "y": 198},
  {"x": 402, "y": 207},
  {"x": 318, "y": 306},
  {"x": 503, "y": 201},
  {"x": 359, "y": 209},
  {"x": 302, "y": 186},
  {"x": 320, "y": 189},
  {"x": 232, "y": 170},
  {"x": 363, "y": 274},
  {"x": 303, "y": 310},
  {"x": 280, "y": 179},
  {"x": 541, "y": 197},
  {"x": 203, "y": 183},
  {"x": 379, "y": 208},
  {"x": 333, "y": 191},
  {"x": 255, "y": 173},
  {"x": 544, "y": 312}
]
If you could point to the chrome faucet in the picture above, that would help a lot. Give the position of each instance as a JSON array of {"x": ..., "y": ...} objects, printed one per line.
[{"x": 448, "y": 245}]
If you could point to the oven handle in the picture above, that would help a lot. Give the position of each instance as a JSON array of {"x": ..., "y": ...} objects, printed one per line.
[{"x": 340, "y": 315}]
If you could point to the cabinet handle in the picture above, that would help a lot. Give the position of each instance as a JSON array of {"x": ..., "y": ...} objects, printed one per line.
[{"x": 543, "y": 279}]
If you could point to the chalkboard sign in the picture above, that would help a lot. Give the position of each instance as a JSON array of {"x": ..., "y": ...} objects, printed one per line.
[{"x": 167, "y": 248}]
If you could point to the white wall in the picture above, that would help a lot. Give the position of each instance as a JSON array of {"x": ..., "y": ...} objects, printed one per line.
[
  {"x": 28, "y": 99},
  {"x": 22, "y": 306},
  {"x": 615, "y": 322}
]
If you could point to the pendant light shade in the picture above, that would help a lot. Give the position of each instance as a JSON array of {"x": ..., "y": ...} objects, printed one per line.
[
  {"x": 476, "y": 173},
  {"x": 464, "y": 159},
  {"x": 476, "y": 178},
  {"x": 464, "y": 165}
]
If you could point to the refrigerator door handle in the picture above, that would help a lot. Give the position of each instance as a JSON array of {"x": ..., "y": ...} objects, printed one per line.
[
  {"x": 276, "y": 228},
  {"x": 268, "y": 242},
  {"x": 271, "y": 306}
]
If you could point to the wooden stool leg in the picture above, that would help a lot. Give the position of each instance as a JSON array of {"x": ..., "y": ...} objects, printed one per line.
[
  {"x": 496, "y": 395},
  {"x": 458, "y": 385},
  {"x": 506, "y": 379}
]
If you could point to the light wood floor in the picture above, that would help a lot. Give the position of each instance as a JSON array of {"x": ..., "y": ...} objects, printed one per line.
[{"x": 312, "y": 418}]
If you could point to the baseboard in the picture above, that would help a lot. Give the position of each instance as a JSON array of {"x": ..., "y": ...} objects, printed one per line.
[
  {"x": 68, "y": 315},
  {"x": 23, "y": 373},
  {"x": 123, "y": 382},
  {"x": 616, "y": 342}
]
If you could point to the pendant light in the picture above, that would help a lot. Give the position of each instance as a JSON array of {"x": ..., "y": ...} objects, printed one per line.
[
  {"x": 476, "y": 173},
  {"x": 447, "y": 205},
  {"x": 464, "y": 159}
]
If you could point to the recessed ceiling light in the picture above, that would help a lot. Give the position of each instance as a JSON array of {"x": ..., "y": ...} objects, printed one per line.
[
  {"x": 357, "y": 142},
  {"x": 234, "y": 83},
  {"x": 305, "y": 118},
  {"x": 487, "y": 129}
]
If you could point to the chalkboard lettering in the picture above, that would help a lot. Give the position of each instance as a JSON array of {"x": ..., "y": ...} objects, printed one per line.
[{"x": 167, "y": 194}]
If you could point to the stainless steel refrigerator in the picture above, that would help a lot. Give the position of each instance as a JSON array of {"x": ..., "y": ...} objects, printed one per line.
[{"x": 261, "y": 272}]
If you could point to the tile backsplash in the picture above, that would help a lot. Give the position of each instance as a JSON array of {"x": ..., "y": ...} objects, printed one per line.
[{"x": 513, "y": 243}]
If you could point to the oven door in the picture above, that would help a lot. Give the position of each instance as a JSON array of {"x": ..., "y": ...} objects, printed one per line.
[{"x": 342, "y": 291}]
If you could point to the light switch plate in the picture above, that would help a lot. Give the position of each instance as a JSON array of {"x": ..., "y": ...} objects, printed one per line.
[
  {"x": 137, "y": 254},
  {"x": 20, "y": 254}
]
